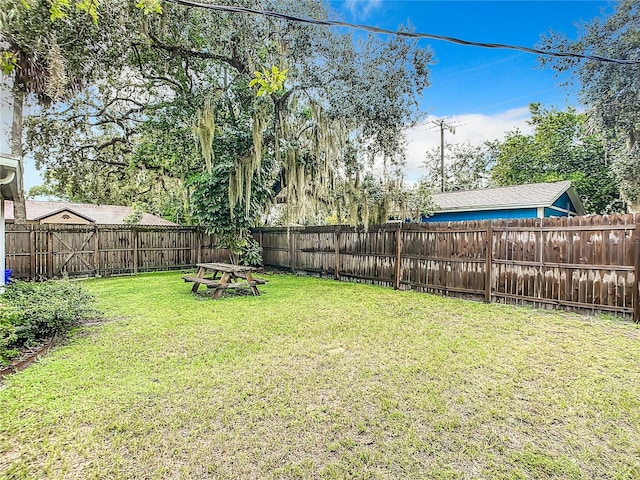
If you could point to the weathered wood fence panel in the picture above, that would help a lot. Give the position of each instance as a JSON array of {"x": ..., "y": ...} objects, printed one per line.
[
  {"x": 51, "y": 251},
  {"x": 585, "y": 263},
  {"x": 445, "y": 261},
  {"x": 572, "y": 262}
]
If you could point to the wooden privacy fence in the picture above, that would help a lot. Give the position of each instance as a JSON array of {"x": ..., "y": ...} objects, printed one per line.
[
  {"x": 49, "y": 251},
  {"x": 589, "y": 263}
]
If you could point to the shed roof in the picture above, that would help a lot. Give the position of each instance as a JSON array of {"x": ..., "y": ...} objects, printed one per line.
[
  {"x": 515, "y": 196},
  {"x": 101, "y": 214}
]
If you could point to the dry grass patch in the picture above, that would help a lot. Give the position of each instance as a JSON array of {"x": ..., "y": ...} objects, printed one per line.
[{"x": 319, "y": 379}]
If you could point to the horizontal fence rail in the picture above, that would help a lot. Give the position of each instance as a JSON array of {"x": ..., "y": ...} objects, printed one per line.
[
  {"x": 38, "y": 252},
  {"x": 584, "y": 263}
]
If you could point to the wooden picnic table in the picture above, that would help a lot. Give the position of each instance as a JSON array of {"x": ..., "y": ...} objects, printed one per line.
[{"x": 232, "y": 276}]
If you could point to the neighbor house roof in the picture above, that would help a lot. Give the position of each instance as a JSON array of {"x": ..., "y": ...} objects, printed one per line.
[
  {"x": 516, "y": 196},
  {"x": 100, "y": 214}
]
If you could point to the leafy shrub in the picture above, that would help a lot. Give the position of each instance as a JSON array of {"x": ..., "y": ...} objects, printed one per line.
[
  {"x": 8, "y": 334},
  {"x": 244, "y": 249},
  {"x": 41, "y": 310},
  {"x": 251, "y": 253}
]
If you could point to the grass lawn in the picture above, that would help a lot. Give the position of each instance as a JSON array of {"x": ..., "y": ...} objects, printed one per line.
[{"x": 320, "y": 379}]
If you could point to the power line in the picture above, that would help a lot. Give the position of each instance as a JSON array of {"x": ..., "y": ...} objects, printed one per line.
[{"x": 335, "y": 23}]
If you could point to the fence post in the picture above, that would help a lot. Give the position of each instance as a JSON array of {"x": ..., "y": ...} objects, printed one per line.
[
  {"x": 397, "y": 270},
  {"x": 336, "y": 245},
  {"x": 135, "y": 250},
  {"x": 199, "y": 252},
  {"x": 32, "y": 254},
  {"x": 96, "y": 250},
  {"x": 636, "y": 274},
  {"x": 49, "y": 253},
  {"x": 261, "y": 243},
  {"x": 488, "y": 263},
  {"x": 292, "y": 250}
]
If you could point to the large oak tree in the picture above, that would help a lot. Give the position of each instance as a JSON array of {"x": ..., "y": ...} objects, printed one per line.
[{"x": 181, "y": 105}]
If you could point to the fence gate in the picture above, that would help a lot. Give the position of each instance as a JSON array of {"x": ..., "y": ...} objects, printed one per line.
[{"x": 72, "y": 253}]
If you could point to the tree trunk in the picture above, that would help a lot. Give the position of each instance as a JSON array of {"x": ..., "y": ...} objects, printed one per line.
[{"x": 19, "y": 208}]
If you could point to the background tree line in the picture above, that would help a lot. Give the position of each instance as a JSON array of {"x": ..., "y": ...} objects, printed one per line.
[{"x": 561, "y": 147}]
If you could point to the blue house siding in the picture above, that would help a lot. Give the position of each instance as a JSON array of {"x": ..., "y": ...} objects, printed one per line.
[
  {"x": 553, "y": 199},
  {"x": 484, "y": 215},
  {"x": 550, "y": 212},
  {"x": 565, "y": 203}
]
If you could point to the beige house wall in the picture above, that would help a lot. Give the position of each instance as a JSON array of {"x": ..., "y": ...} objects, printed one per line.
[{"x": 66, "y": 218}]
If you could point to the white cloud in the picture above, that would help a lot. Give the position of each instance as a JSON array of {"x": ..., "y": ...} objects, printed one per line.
[
  {"x": 361, "y": 9},
  {"x": 473, "y": 127}
]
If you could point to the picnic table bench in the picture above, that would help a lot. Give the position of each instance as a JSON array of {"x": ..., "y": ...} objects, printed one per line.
[{"x": 232, "y": 276}]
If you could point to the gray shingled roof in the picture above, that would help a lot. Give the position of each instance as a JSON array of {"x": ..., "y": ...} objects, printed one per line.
[
  {"x": 516, "y": 196},
  {"x": 100, "y": 214}
]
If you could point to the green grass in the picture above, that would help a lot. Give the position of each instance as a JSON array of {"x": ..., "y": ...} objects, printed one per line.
[{"x": 319, "y": 379}]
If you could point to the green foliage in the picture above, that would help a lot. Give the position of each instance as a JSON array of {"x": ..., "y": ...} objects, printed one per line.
[
  {"x": 610, "y": 91},
  {"x": 137, "y": 211},
  {"x": 59, "y": 44},
  {"x": 244, "y": 249},
  {"x": 626, "y": 168},
  {"x": 8, "y": 62},
  {"x": 270, "y": 81},
  {"x": 419, "y": 203},
  {"x": 211, "y": 209},
  {"x": 90, "y": 7},
  {"x": 130, "y": 137},
  {"x": 8, "y": 336},
  {"x": 149, "y": 7},
  {"x": 561, "y": 148},
  {"x": 251, "y": 253},
  {"x": 39, "y": 310},
  {"x": 467, "y": 167},
  {"x": 58, "y": 9},
  {"x": 210, "y": 202},
  {"x": 376, "y": 200}
]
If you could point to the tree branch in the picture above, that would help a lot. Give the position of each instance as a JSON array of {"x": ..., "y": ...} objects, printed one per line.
[{"x": 183, "y": 51}]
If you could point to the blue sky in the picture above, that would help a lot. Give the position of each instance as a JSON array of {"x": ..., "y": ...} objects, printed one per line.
[
  {"x": 478, "y": 80},
  {"x": 484, "y": 92}
]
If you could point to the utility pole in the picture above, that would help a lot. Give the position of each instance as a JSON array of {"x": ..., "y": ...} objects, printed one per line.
[{"x": 443, "y": 125}]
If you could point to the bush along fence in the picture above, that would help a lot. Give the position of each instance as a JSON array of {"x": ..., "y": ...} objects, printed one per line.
[
  {"x": 38, "y": 252},
  {"x": 583, "y": 263}
]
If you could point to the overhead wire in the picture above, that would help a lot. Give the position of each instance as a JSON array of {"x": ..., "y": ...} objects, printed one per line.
[{"x": 401, "y": 33}]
